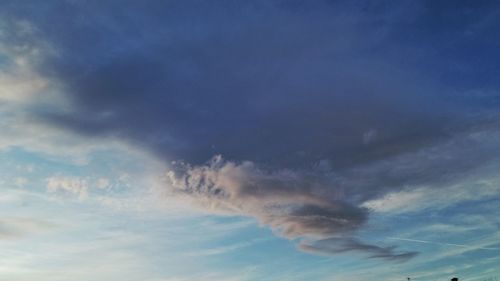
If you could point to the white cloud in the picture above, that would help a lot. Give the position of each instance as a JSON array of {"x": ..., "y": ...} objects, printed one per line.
[
  {"x": 20, "y": 181},
  {"x": 224, "y": 249},
  {"x": 16, "y": 227},
  {"x": 478, "y": 182},
  {"x": 68, "y": 184},
  {"x": 396, "y": 201},
  {"x": 103, "y": 183},
  {"x": 436, "y": 197},
  {"x": 24, "y": 90}
]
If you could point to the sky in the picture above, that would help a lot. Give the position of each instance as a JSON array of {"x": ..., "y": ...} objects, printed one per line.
[{"x": 186, "y": 140}]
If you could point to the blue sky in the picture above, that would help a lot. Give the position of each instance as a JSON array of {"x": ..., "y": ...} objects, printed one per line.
[{"x": 249, "y": 140}]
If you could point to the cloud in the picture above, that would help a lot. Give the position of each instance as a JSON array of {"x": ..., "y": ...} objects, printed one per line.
[
  {"x": 323, "y": 110},
  {"x": 20, "y": 181},
  {"x": 103, "y": 183},
  {"x": 284, "y": 200},
  {"x": 445, "y": 244},
  {"x": 458, "y": 186},
  {"x": 298, "y": 97},
  {"x": 291, "y": 203},
  {"x": 336, "y": 245},
  {"x": 71, "y": 185},
  {"x": 397, "y": 201},
  {"x": 224, "y": 249},
  {"x": 15, "y": 227},
  {"x": 323, "y": 204}
]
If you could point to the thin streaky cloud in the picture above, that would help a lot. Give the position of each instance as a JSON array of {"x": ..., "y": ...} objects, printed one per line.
[{"x": 444, "y": 244}]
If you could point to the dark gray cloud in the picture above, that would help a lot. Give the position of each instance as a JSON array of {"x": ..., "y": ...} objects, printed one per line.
[
  {"x": 195, "y": 79},
  {"x": 340, "y": 245},
  {"x": 319, "y": 106},
  {"x": 276, "y": 82}
]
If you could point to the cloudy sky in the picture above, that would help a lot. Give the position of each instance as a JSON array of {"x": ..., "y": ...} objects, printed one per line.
[{"x": 249, "y": 140}]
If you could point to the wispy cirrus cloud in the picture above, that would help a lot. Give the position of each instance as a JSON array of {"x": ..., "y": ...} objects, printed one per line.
[
  {"x": 224, "y": 249},
  {"x": 471, "y": 247},
  {"x": 18, "y": 227}
]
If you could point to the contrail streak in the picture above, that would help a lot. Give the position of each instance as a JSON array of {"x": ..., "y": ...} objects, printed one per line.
[{"x": 444, "y": 244}]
